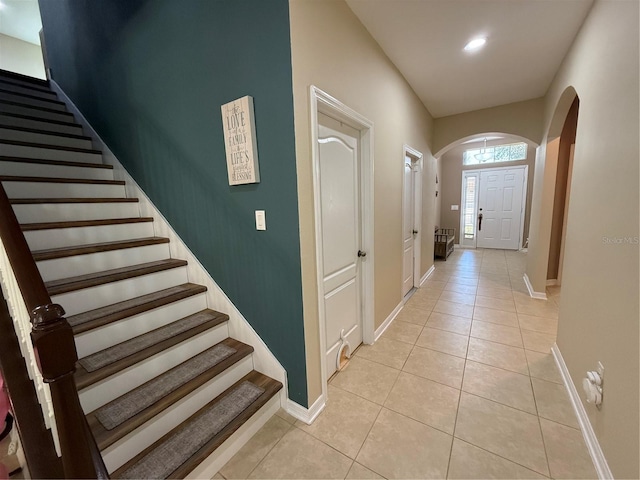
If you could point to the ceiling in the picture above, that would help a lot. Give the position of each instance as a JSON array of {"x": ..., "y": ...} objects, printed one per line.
[
  {"x": 526, "y": 43},
  {"x": 21, "y": 19}
]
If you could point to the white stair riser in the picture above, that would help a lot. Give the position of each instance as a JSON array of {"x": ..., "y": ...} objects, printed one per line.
[
  {"x": 67, "y": 237},
  {"x": 20, "y": 136},
  {"x": 9, "y": 121},
  {"x": 221, "y": 455},
  {"x": 64, "y": 212},
  {"x": 10, "y": 97},
  {"x": 120, "y": 452},
  {"x": 11, "y": 87},
  {"x": 113, "y": 333},
  {"x": 59, "y": 171},
  {"x": 102, "y": 295},
  {"x": 62, "y": 190},
  {"x": 24, "y": 151},
  {"x": 58, "y": 268},
  {"x": 100, "y": 393},
  {"x": 37, "y": 113}
]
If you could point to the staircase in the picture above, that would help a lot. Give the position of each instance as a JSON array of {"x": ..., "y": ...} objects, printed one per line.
[{"x": 162, "y": 384}]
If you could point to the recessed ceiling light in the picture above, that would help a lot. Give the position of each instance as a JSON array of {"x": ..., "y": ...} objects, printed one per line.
[{"x": 475, "y": 44}]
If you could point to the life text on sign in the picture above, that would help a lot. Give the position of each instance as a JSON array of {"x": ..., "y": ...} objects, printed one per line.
[{"x": 239, "y": 128}]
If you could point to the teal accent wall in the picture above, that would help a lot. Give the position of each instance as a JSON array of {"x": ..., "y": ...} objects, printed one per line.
[{"x": 150, "y": 76}]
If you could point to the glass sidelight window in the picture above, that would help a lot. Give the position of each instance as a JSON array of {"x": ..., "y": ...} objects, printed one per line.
[{"x": 469, "y": 207}]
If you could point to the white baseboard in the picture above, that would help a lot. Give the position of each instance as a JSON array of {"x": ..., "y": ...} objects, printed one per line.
[
  {"x": 392, "y": 316},
  {"x": 426, "y": 276},
  {"x": 532, "y": 292},
  {"x": 306, "y": 415},
  {"x": 264, "y": 361},
  {"x": 596, "y": 453},
  {"x": 552, "y": 282}
]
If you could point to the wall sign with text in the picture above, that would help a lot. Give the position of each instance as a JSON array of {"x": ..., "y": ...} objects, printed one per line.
[{"x": 238, "y": 124}]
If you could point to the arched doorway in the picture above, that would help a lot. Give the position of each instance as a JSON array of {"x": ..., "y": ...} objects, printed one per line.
[
  {"x": 564, "y": 171},
  {"x": 459, "y": 188}
]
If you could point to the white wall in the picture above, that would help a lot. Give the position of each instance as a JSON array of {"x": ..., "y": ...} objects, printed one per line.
[
  {"x": 21, "y": 57},
  {"x": 599, "y": 312}
]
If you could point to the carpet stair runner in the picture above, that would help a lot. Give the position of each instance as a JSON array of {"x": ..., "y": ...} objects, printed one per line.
[{"x": 161, "y": 382}]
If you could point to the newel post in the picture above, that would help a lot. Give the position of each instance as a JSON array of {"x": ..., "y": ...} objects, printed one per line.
[{"x": 56, "y": 355}]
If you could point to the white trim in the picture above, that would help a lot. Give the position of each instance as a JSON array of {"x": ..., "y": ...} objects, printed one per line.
[
  {"x": 552, "y": 282},
  {"x": 426, "y": 276},
  {"x": 417, "y": 159},
  {"x": 523, "y": 208},
  {"x": 321, "y": 102},
  {"x": 306, "y": 415},
  {"x": 389, "y": 320},
  {"x": 590, "y": 438},
  {"x": 263, "y": 360},
  {"x": 532, "y": 292}
]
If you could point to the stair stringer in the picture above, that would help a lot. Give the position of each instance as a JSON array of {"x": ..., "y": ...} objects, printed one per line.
[{"x": 239, "y": 328}]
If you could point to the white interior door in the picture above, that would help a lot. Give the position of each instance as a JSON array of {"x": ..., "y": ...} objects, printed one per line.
[
  {"x": 408, "y": 225},
  {"x": 501, "y": 207},
  {"x": 340, "y": 205}
]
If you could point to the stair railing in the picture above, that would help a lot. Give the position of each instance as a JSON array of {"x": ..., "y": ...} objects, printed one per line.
[{"x": 47, "y": 346}]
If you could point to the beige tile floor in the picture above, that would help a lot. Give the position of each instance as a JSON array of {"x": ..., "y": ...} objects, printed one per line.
[{"x": 461, "y": 385}]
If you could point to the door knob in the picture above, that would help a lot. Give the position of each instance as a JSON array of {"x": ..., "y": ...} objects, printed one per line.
[
  {"x": 361, "y": 253},
  {"x": 415, "y": 232}
]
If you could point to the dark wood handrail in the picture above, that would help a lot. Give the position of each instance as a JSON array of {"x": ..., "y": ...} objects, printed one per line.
[{"x": 55, "y": 353}]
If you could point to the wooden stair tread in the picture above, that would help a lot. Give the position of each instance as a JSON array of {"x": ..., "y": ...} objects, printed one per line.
[
  {"x": 51, "y": 147},
  {"x": 105, "y": 437},
  {"x": 62, "y": 163},
  {"x": 45, "y": 132},
  {"x": 84, "y": 378},
  {"x": 271, "y": 388},
  {"x": 101, "y": 316},
  {"x": 48, "y": 254},
  {"x": 34, "y": 97},
  {"x": 29, "y": 227},
  {"x": 40, "y": 119},
  {"x": 6, "y": 74},
  {"x": 8, "y": 82},
  {"x": 71, "y": 284},
  {"x": 33, "y": 201},
  {"x": 15, "y": 178},
  {"x": 36, "y": 107}
]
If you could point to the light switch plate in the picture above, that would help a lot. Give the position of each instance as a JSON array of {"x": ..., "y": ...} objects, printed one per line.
[
  {"x": 261, "y": 220},
  {"x": 455, "y": 207}
]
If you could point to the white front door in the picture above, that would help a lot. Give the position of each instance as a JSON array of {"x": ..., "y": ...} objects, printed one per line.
[
  {"x": 340, "y": 205},
  {"x": 408, "y": 225},
  {"x": 501, "y": 208}
]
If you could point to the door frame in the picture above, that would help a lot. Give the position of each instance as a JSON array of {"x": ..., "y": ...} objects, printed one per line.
[
  {"x": 525, "y": 181},
  {"x": 417, "y": 160},
  {"x": 322, "y": 102}
]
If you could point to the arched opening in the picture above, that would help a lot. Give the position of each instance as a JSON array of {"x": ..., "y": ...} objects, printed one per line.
[
  {"x": 564, "y": 170},
  {"x": 550, "y": 214},
  {"x": 457, "y": 204}
]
